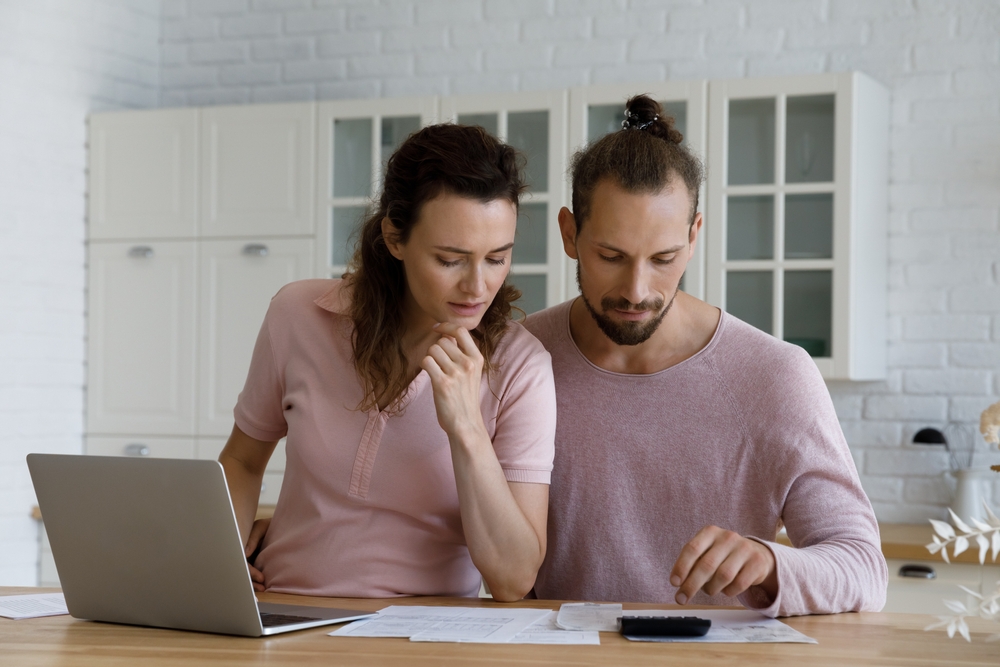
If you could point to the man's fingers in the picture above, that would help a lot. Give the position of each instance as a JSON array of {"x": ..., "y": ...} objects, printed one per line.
[
  {"x": 700, "y": 574},
  {"x": 726, "y": 573},
  {"x": 690, "y": 554},
  {"x": 718, "y": 560}
]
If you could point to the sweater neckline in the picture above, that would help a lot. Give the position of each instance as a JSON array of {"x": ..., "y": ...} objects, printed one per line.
[{"x": 567, "y": 334}]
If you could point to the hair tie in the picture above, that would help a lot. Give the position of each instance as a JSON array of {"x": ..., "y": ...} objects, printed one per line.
[{"x": 632, "y": 121}]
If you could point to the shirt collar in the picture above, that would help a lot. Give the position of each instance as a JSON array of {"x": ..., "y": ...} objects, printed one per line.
[{"x": 334, "y": 300}]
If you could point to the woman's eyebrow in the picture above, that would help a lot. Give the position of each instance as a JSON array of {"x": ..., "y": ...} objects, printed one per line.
[{"x": 460, "y": 251}]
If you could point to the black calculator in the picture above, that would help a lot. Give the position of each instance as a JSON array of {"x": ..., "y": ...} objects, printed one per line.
[{"x": 665, "y": 626}]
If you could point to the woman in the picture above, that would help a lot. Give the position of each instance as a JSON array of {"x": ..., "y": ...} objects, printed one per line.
[{"x": 420, "y": 419}]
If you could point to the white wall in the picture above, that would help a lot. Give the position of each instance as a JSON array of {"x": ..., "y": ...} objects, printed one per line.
[
  {"x": 940, "y": 59},
  {"x": 59, "y": 59}
]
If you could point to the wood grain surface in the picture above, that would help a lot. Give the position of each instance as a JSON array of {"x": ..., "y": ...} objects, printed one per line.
[{"x": 856, "y": 640}]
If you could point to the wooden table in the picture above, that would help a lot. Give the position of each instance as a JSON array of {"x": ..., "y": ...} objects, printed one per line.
[{"x": 856, "y": 640}]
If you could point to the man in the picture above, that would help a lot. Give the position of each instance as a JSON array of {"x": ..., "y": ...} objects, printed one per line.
[{"x": 685, "y": 437}]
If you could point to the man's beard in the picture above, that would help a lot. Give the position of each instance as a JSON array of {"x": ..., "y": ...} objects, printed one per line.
[{"x": 626, "y": 333}]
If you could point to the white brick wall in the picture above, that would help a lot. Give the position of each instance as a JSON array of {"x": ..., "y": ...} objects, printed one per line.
[
  {"x": 58, "y": 61},
  {"x": 940, "y": 59}
]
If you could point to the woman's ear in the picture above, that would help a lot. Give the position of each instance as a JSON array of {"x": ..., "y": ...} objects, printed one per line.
[{"x": 391, "y": 237}]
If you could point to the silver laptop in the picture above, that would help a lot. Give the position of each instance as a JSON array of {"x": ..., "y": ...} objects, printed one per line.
[{"x": 154, "y": 542}]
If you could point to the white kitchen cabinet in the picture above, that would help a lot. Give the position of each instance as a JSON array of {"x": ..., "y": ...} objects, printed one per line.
[
  {"x": 143, "y": 174},
  {"x": 237, "y": 280},
  {"x": 535, "y": 124},
  {"x": 796, "y": 214},
  {"x": 258, "y": 163},
  {"x": 355, "y": 140},
  {"x": 141, "y": 338},
  {"x": 595, "y": 111}
]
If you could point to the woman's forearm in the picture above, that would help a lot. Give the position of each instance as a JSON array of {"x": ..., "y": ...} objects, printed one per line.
[
  {"x": 504, "y": 526},
  {"x": 244, "y": 460}
]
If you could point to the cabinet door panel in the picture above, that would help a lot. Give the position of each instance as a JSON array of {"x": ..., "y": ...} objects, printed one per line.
[
  {"x": 143, "y": 174},
  {"x": 141, "y": 338},
  {"x": 814, "y": 146},
  {"x": 238, "y": 279},
  {"x": 258, "y": 163},
  {"x": 355, "y": 139}
]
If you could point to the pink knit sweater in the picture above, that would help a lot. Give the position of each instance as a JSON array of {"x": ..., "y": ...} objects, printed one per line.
[{"x": 742, "y": 435}]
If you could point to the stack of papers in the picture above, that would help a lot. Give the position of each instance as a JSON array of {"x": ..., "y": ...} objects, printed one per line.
[
  {"x": 491, "y": 625},
  {"x": 576, "y": 623},
  {"x": 32, "y": 606}
]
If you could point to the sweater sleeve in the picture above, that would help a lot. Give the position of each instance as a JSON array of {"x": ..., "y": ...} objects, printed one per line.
[{"x": 836, "y": 564}]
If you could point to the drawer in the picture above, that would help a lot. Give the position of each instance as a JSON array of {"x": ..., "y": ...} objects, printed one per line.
[
  {"x": 155, "y": 447},
  {"x": 210, "y": 448},
  {"x": 925, "y": 596}
]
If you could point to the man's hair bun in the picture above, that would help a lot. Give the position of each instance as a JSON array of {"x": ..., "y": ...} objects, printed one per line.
[{"x": 644, "y": 113}]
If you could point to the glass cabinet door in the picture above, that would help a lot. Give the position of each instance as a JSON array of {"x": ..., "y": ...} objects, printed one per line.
[
  {"x": 777, "y": 213},
  {"x": 533, "y": 123},
  {"x": 356, "y": 139},
  {"x": 596, "y": 111},
  {"x": 796, "y": 214}
]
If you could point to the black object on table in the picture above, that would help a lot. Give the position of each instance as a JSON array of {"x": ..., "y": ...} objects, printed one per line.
[{"x": 665, "y": 626}]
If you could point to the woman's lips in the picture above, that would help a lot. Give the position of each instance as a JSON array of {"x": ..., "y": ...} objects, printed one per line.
[{"x": 466, "y": 309}]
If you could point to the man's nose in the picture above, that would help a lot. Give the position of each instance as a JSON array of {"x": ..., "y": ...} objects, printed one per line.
[{"x": 636, "y": 287}]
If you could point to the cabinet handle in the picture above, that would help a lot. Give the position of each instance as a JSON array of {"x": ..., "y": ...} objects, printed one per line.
[
  {"x": 255, "y": 250},
  {"x": 136, "y": 449},
  {"x": 140, "y": 251}
]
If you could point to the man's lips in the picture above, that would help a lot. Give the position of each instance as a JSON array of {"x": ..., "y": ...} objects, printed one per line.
[{"x": 632, "y": 315}]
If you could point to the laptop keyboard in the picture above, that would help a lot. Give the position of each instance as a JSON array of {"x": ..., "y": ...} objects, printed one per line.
[{"x": 273, "y": 620}]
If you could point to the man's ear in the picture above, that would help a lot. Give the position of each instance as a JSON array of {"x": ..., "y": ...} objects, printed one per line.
[
  {"x": 567, "y": 229},
  {"x": 693, "y": 233},
  {"x": 391, "y": 237}
]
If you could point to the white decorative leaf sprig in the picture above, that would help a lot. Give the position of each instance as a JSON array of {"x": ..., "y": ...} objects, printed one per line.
[
  {"x": 986, "y": 536},
  {"x": 983, "y": 534}
]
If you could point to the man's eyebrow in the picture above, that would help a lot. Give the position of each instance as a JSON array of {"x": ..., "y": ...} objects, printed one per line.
[
  {"x": 461, "y": 251},
  {"x": 668, "y": 251}
]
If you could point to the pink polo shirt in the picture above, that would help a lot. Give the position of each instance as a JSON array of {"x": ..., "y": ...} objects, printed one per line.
[{"x": 369, "y": 505}]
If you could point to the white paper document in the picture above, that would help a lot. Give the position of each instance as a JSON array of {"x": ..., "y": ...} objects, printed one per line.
[
  {"x": 546, "y": 631},
  {"x": 445, "y": 624},
  {"x": 729, "y": 626},
  {"x": 32, "y": 606},
  {"x": 589, "y": 616}
]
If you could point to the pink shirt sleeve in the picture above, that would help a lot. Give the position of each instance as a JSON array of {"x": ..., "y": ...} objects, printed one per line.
[
  {"x": 526, "y": 419},
  {"x": 259, "y": 411}
]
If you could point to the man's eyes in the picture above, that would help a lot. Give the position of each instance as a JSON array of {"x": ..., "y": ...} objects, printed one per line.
[{"x": 663, "y": 261}]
